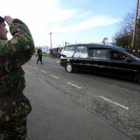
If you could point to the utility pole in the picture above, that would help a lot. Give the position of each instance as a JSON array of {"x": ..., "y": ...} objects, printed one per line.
[
  {"x": 135, "y": 25},
  {"x": 50, "y": 40}
]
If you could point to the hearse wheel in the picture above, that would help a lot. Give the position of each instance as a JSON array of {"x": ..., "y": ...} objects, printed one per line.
[{"x": 69, "y": 68}]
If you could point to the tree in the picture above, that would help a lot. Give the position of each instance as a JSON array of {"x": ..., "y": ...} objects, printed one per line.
[{"x": 123, "y": 37}]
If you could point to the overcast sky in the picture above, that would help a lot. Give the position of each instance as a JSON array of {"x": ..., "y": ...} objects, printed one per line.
[{"x": 73, "y": 21}]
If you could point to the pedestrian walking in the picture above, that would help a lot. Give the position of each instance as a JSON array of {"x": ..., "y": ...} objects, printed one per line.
[
  {"x": 39, "y": 53},
  {"x": 14, "y": 106}
]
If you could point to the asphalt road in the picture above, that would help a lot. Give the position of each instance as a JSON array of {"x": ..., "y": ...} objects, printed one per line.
[{"x": 80, "y": 106}]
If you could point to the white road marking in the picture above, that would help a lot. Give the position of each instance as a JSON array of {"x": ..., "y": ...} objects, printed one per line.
[
  {"x": 46, "y": 83},
  {"x": 28, "y": 72},
  {"x": 106, "y": 99},
  {"x": 43, "y": 71},
  {"x": 35, "y": 68},
  {"x": 32, "y": 67},
  {"x": 74, "y": 85},
  {"x": 54, "y": 76},
  {"x": 27, "y": 66},
  {"x": 57, "y": 62}
]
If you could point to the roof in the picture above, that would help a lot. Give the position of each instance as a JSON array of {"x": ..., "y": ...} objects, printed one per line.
[{"x": 97, "y": 45}]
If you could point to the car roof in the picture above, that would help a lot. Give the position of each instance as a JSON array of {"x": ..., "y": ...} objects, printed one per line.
[{"x": 97, "y": 45}]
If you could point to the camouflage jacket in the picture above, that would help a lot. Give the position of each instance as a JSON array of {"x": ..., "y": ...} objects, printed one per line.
[{"x": 13, "y": 54}]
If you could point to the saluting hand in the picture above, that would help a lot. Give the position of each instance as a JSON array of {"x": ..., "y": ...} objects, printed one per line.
[{"x": 8, "y": 19}]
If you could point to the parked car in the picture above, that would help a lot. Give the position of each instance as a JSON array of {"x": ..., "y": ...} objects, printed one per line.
[{"x": 106, "y": 59}]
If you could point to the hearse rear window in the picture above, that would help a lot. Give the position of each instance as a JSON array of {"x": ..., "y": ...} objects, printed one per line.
[
  {"x": 81, "y": 52},
  {"x": 69, "y": 51}
]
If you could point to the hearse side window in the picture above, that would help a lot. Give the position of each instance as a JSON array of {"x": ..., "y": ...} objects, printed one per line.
[
  {"x": 69, "y": 51},
  {"x": 81, "y": 52},
  {"x": 115, "y": 55},
  {"x": 98, "y": 54}
]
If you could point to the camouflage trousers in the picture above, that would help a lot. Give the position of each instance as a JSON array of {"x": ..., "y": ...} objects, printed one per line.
[{"x": 13, "y": 130}]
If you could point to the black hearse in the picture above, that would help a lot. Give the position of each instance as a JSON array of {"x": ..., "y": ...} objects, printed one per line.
[{"x": 101, "y": 58}]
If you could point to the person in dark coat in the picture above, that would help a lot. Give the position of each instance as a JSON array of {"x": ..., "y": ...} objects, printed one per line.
[{"x": 39, "y": 53}]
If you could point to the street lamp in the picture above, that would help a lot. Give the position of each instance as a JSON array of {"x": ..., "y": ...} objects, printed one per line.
[{"x": 50, "y": 40}]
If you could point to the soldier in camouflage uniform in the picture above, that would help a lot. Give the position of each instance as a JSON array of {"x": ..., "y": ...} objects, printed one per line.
[{"x": 14, "y": 106}]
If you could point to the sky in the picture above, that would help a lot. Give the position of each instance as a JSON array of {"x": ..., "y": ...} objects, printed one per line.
[{"x": 72, "y": 21}]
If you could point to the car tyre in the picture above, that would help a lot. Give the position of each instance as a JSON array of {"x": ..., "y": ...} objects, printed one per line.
[{"x": 69, "y": 68}]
